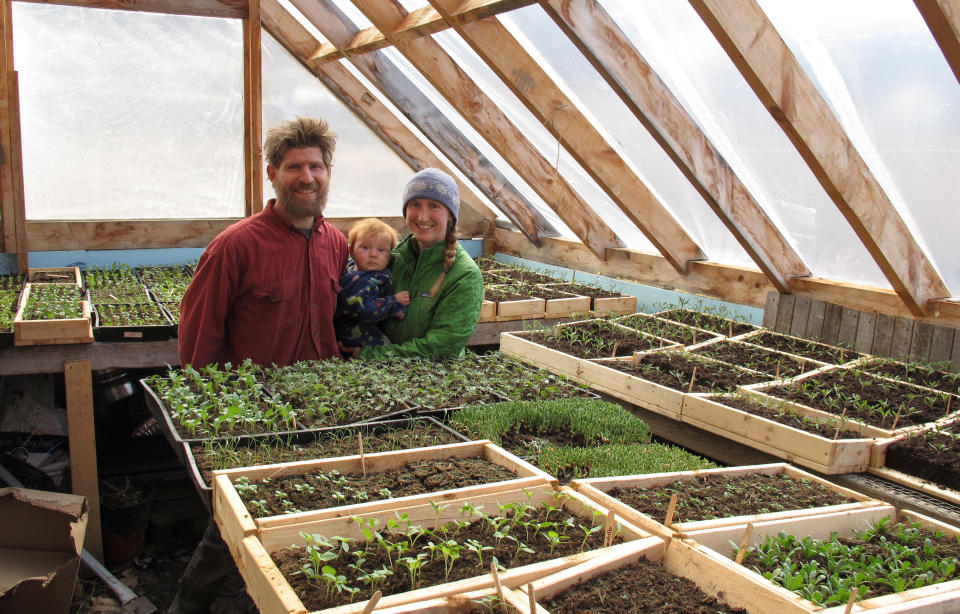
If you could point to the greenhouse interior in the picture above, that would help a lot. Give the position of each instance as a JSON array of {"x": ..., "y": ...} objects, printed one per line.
[{"x": 711, "y": 361}]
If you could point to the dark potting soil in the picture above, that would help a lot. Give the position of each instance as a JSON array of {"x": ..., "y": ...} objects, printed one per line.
[
  {"x": 524, "y": 440},
  {"x": 800, "y": 347},
  {"x": 930, "y": 455},
  {"x": 585, "y": 290},
  {"x": 785, "y": 416},
  {"x": 525, "y": 276},
  {"x": 644, "y": 587},
  {"x": 916, "y": 374},
  {"x": 605, "y": 340},
  {"x": 708, "y": 321},
  {"x": 754, "y": 358},
  {"x": 313, "y": 491},
  {"x": 720, "y": 496},
  {"x": 919, "y": 407},
  {"x": 502, "y": 293},
  {"x": 271, "y": 450},
  {"x": 290, "y": 561},
  {"x": 675, "y": 370}
]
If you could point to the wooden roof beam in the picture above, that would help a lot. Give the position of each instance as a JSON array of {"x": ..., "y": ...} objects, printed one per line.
[
  {"x": 776, "y": 76},
  {"x": 421, "y": 111},
  {"x": 421, "y": 22},
  {"x": 476, "y": 217},
  {"x": 602, "y": 42},
  {"x": 943, "y": 19},
  {"x": 236, "y": 9},
  {"x": 531, "y": 84},
  {"x": 485, "y": 117}
]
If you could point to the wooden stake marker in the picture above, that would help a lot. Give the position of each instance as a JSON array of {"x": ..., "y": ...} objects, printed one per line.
[
  {"x": 372, "y": 603},
  {"x": 609, "y": 528},
  {"x": 496, "y": 582},
  {"x": 896, "y": 418},
  {"x": 742, "y": 551},
  {"x": 693, "y": 378},
  {"x": 778, "y": 370},
  {"x": 731, "y": 330},
  {"x": 840, "y": 424},
  {"x": 671, "y": 508},
  {"x": 533, "y": 598},
  {"x": 853, "y": 598},
  {"x": 363, "y": 461}
]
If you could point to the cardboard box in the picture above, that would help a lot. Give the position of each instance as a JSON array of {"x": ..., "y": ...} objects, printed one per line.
[{"x": 40, "y": 547}]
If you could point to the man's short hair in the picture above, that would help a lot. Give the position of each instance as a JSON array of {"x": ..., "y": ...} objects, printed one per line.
[{"x": 297, "y": 134}]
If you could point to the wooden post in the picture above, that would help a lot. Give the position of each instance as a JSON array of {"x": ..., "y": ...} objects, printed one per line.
[
  {"x": 12, "y": 215},
  {"x": 83, "y": 449},
  {"x": 252, "y": 111}
]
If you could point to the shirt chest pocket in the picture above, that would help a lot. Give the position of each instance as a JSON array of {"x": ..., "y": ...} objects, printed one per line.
[{"x": 278, "y": 292}]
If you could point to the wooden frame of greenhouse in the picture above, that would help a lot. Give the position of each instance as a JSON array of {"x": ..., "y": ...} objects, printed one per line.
[{"x": 792, "y": 164}]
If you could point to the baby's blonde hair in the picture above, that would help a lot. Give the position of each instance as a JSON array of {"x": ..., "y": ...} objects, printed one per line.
[{"x": 370, "y": 226}]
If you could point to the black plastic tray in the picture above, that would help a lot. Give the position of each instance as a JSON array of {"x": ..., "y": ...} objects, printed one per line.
[
  {"x": 154, "y": 332},
  {"x": 299, "y": 438}
]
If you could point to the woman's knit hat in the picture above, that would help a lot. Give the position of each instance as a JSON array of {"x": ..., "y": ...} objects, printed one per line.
[{"x": 436, "y": 185}]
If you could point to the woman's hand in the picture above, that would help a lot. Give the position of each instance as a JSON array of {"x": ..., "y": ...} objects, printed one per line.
[
  {"x": 402, "y": 297},
  {"x": 349, "y": 351}
]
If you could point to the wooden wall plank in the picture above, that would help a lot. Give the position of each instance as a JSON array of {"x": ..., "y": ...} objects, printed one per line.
[
  {"x": 562, "y": 118},
  {"x": 606, "y": 47},
  {"x": 785, "y": 313},
  {"x": 955, "y": 353},
  {"x": 236, "y": 9},
  {"x": 818, "y": 311},
  {"x": 486, "y": 117},
  {"x": 922, "y": 340},
  {"x": 941, "y": 343},
  {"x": 769, "y": 66},
  {"x": 770, "y": 310},
  {"x": 847, "y": 333},
  {"x": 883, "y": 337},
  {"x": 902, "y": 336},
  {"x": 831, "y": 323},
  {"x": 866, "y": 329},
  {"x": 801, "y": 312},
  {"x": 78, "y": 386}
]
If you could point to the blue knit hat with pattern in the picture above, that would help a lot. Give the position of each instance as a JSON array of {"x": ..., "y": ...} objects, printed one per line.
[{"x": 436, "y": 185}]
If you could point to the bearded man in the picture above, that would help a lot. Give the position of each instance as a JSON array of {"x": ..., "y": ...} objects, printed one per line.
[{"x": 266, "y": 287}]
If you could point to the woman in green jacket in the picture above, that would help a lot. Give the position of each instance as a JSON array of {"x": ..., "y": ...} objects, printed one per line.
[{"x": 445, "y": 286}]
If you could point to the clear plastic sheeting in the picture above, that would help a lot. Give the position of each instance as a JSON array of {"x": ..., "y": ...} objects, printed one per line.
[
  {"x": 878, "y": 66},
  {"x": 368, "y": 177},
  {"x": 686, "y": 56},
  {"x": 129, "y": 115}
]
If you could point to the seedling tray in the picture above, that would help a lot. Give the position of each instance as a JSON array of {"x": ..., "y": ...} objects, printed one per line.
[
  {"x": 51, "y": 332},
  {"x": 699, "y": 336},
  {"x": 233, "y": 517},
  {"x": 620, "y": 304},
  {"x": 878, "y": 460},
  {"x": 488, "y": 311},
  {"x": 739, "y": 328},
  {"x": 146, "y": 332},
  {"x": 301, "y": 438},
  {"x": 713, "y": 574},
  {"x": 272, "y": 594},
  {"x": 55, "y": 275},
  {"x": 830, "y": 456},
  {"x": 565, "y": 306},
  {"x": 597, "y": 489}
]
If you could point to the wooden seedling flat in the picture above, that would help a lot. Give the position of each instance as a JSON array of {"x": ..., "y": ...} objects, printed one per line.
[
  {"x": 943, "y": 597},
  {"x": 232, "y": 514},
  {"x": 488, "y": 311},
  {"x": 700, "y": 336},
  {"x": 51, "y": 332},
  {"x": 729, "y": 321},
  {"x": 518, "y": 345},
  {"x": 597, "y": 489},
  {"x": 831, "y": 456},
  {"x": 273, "y": 595},
  {"x": 55, "y": 275},
  {"x": 521, "y": 310},
  {"x": 646, "y": 394},
  {"x": 458, "y": 604},
  {"x": 747, "y": 337},
  {"x": 713, "y": 574},
  {"x": 615, "y": 304},
  {"x": 565, "y": 306}
]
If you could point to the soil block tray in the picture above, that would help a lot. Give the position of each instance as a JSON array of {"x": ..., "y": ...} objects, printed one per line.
[
  {"x": 273, "y": 594},
  {"x": 51, "y": 332},
  {"x": 142, "y": 332},
  {"x": 598, "y": 489},
  {"x": 714, "y": 575},
  {"x": 943, "y": 597},
  {"x": 830, "y": 456},
  {"x": 233, "y": 516},
  {"x": 302, "y": 438}
]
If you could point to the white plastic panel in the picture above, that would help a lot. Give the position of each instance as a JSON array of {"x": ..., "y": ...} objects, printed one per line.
[
  {"x": 686, "y": 56},
  {"x": 883, "y": 74},
  {"x": 368, "y": 177},
  {"x": 120, "y": 121}
]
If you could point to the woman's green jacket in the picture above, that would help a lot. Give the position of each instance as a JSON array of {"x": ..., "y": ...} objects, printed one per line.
[{"x": 434, "y": 326}]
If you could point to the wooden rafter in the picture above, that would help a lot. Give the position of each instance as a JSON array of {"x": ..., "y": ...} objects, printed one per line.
[
  {"x": 532, "y": 86},
  {"x": 236, "y": 9},
  {"x": 423, "y": 113},
  {"x": 252, "y": 112},
  {"x": 943, "y": 19},
  {"x": 421, "y": 22},
  {"x": 602, "y": 42},
  {"x": 485, "y": 117},
  {"x": 776, "y": 76}
]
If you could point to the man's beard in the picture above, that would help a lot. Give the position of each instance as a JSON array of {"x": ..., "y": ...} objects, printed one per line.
[{"x": 290, "y": 202}]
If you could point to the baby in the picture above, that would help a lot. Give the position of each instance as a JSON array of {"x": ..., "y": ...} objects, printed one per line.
[{"x": 366, "y": 288}]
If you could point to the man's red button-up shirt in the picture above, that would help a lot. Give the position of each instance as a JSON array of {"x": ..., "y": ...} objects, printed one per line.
[{"x": 263, "y": 290}]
